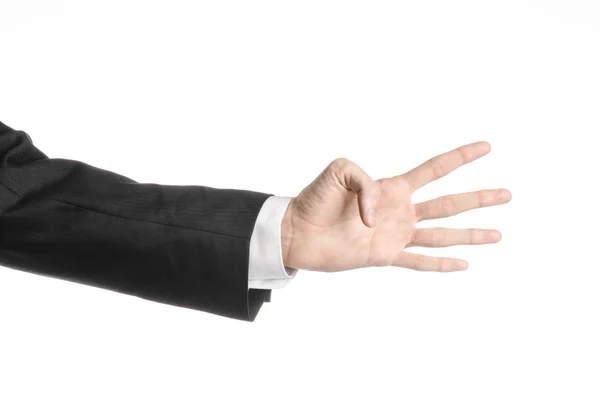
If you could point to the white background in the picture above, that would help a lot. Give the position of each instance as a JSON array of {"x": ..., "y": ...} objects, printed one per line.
[{"x": 263, "y": 95}]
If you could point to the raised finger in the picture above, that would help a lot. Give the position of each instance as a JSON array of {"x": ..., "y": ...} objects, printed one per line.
[
  {"x": 451, "y": 205},
  {"x": 443, "y": 164}
]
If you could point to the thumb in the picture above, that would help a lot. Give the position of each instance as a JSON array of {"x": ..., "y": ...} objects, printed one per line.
[{"x": 355, "y": 179}]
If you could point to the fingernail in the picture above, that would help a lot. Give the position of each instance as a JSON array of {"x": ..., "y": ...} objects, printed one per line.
[{"x": 371, "y": 216}]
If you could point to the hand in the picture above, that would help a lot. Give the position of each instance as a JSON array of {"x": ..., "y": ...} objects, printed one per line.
[{"x": 345, "y": 220}]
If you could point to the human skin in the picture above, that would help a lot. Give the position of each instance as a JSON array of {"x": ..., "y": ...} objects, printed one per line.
[{"x": 345, "y": 220}]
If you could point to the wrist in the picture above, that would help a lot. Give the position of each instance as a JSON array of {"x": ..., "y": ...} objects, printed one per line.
[{"x": 287, "y": 233}]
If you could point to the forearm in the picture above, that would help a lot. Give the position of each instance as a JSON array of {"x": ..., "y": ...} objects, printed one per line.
[{"x": 182, "y": 245}]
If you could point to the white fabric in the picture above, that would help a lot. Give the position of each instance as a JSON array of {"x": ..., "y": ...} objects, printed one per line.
[{"x": 266, "y": 268}]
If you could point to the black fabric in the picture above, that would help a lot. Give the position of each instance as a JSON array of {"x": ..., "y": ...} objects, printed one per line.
[{"x": 181, "y": 245}]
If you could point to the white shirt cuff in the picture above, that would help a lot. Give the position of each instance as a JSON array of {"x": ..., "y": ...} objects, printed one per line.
[{"x": 266, "y": 270}]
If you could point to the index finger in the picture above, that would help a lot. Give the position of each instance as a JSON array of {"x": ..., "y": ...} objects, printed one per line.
[{"x": 443, "y": 164}]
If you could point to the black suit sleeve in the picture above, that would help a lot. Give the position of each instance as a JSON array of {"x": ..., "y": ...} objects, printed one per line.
[{"x": 181, "y": 245}]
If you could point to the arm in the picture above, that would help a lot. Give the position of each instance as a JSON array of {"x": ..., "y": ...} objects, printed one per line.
[
  {"x": 181, "y": 245},
  {"x": 190, "y": 245}
]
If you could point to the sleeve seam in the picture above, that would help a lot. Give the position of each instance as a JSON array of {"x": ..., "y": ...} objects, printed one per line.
[
  {"x": 10, "y": 190},
  {"x": 148, "y": 221},
  {"x": 135, "y": 219}
]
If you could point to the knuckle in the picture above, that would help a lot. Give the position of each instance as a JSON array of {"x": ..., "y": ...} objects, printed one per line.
[
  {"x": 481, "y": 198},
  {"x": 463, "y": 154},
  {"x": 413, "y": 237},
  {"x": 447, "y": 206},
  {"x": 339, "y": 164},
  {"x": 436, "y": 169},
  {"x": 377, "y": 259},
  {"x": 419, "y": 214},
  {"x": 421, "y": 263},
  {"x": 381, "y": 261},
  {"x": 438, "y": 237}
]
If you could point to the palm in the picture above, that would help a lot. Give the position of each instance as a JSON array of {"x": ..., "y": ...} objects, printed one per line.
[
  {"x": 329, "y": 217},
  {"x": 396, "y": 222}
]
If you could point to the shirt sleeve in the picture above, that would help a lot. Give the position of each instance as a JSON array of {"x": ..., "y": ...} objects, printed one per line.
[{"x": 266, "y": 269}]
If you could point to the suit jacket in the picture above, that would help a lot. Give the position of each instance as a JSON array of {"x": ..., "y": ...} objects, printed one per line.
[{"x": 181, "y": 245}]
